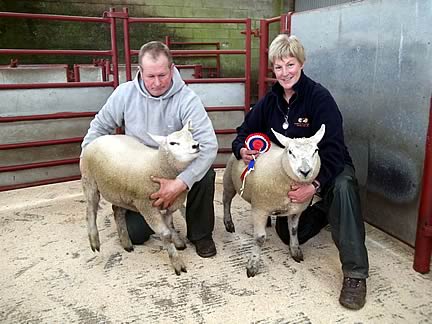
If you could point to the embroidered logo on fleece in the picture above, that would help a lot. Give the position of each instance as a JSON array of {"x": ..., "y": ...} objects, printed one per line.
[{"x": 302, "y": 122}]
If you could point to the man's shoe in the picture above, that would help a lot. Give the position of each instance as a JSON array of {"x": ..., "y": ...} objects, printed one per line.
[
  {"x": 205, "y": 247},
  {"x": 353, "y": 293}
]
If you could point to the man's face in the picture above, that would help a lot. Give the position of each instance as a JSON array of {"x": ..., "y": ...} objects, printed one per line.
[
  {"x": 287, "y": 71},
  {"x": 156, "y": 74}
]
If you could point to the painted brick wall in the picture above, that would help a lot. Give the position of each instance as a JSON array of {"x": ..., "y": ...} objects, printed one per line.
[{"x": 64, "y": 35}]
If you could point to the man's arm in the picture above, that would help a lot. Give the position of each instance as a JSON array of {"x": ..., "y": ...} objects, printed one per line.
[
  {"x": 204, "y": 134},
  {"x": 107, "y": 119}
]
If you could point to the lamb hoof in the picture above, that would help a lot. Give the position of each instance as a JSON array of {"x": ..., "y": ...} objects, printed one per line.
[
  {"x": 178, "y": 265},
  {"x": 251, "y": 272},
  {"x": 180, "y": 248},
  {"x": 297, "y": 255},
  {"x": 297, "y": 259},
  {"x": 129, "y": 248},
  {"x": 269, "y": 222},
  {"x": 229, "y": 226},
  {"x": 179, "y": 244},
  {"x": 95, "y": 245},
  {"x": 179, "y": 271}
]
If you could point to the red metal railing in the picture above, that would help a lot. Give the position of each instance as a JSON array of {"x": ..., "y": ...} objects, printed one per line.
[
  {"x": 423, "y": 244},
  {"x": 285, "y": 27},
  {"x": 209, "y": 70},
  {"x": 247, "y": 51},
  {"x": 112, "y": 53}
]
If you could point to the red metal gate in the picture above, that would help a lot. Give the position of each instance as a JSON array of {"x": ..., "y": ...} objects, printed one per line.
[{"x": 111, "y": 53}]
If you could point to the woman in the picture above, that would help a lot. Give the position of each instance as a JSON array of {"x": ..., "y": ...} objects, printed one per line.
[{"x": 297, "y": 106}]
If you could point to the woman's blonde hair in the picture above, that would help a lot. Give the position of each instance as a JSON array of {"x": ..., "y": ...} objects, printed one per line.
[{"x": 284, "y": 46}]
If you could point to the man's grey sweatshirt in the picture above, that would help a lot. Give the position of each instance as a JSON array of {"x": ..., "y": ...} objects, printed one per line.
[{"x": 131, "y": 106}]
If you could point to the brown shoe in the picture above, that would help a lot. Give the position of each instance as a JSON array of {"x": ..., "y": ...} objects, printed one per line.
[
  {"x": 353, "y": 293},
  {"x": 205, "y": 247}
]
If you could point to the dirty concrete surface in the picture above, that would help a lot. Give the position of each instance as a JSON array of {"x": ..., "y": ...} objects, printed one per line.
[{"x": 48, "y": 273}]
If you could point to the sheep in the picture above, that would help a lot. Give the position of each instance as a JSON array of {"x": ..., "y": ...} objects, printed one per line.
[
  {"x": 119, "y": 168},
  {"x": 267, "y": 186}
]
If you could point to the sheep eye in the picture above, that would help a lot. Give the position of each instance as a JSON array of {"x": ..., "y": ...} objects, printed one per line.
[
  {"x": 174, "y": 143},
  {"x": 291, "y": 153},
  {"x": 315, "y": 151}
]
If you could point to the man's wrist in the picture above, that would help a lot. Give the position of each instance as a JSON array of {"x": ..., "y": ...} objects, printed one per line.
[{"x": 182, "y": 184}]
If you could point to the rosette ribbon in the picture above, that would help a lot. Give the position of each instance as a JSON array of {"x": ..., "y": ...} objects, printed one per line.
[{"x": 258, "y": 142}]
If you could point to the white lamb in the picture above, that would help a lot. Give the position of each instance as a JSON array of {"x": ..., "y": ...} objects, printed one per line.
[
  {"x": 267, "y": 186},
  {"x": 119, "y": 168}
]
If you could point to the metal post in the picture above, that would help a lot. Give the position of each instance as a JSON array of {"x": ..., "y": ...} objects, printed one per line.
[
  {"x": 114, "y": 49},
  {"x": 423, "y": 244},
  {"x": 127, "y": 54},
  {"x": 76, "y": 73},
  {"x": 263, "y": 58},
  {"x": 248, "y": 64}
]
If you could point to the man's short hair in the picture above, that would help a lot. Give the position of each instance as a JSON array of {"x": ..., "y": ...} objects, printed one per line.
[
  {"x": 155, "y": 49},
  {"x": 284, "y": 46}
]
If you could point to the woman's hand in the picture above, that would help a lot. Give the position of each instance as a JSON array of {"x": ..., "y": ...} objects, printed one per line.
[{"x": 248, "y": 155}]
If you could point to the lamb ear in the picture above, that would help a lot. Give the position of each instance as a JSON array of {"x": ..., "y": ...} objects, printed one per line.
[
  {"x": 281, "y": 138},
  {"x": 188, "y": 126},
  {"x": 158, "y": 138},
  {"x": 319, "y": 134}
]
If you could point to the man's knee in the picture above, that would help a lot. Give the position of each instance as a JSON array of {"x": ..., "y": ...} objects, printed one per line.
[
  {"x": 345, "y": 183},
  {"x": 138, "y": 229}
]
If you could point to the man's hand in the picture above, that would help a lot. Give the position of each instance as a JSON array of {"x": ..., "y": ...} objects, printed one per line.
[
  {"x": 248, "y": 155},
  {"x": 301, "y": 193},
  {"x": 168, "y": 192}
]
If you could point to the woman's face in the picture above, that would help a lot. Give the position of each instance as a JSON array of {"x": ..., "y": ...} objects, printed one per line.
[{"x": 287, "y": 71}]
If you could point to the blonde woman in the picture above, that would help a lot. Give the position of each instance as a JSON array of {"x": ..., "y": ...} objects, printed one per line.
[{"x": 296, "y": 106}]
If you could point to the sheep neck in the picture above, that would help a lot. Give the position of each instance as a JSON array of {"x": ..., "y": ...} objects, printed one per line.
[
  {"x": 286, "y": 169},
  {"x": 168, "y": 164}
]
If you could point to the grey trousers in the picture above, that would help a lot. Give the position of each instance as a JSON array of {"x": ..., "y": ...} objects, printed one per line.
[
  {"x": 199, "y": 213},
  {"x": 341, "y": 203}
]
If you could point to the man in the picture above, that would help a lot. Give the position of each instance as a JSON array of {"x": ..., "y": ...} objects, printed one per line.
[
  {"x": 158, "y": 101},
  {"x": 297, "y": 106}
]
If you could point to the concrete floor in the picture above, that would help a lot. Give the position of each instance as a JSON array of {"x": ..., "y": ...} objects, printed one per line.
[{"x": 48, "y": 273}]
